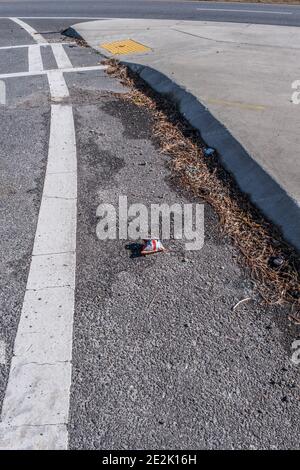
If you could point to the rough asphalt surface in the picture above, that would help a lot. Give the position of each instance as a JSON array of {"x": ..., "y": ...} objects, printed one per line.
[{"x": 160, "y": 360}]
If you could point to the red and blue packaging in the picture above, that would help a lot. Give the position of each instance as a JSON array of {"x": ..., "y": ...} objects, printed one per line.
[{"x": 152, "y": 246}]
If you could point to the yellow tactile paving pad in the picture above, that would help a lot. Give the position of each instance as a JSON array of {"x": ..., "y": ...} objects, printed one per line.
[{"x": 127, "y": 46}]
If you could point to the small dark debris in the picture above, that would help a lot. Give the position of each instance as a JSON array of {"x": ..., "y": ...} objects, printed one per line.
[
  {"x": 276, "y": 262},
  {"x": 295, "y": 294},
  {"x": 208, "y": 152},
  {"x": 135, "y": 249}
]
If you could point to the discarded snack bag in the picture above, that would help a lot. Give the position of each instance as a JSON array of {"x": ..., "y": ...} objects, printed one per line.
[{"x": 152, "y": 246}]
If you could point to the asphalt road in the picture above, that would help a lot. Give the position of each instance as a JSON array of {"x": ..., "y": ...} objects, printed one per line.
[
  {"x": 159, "y": 360},
  {"x": 164, "y": 9}
]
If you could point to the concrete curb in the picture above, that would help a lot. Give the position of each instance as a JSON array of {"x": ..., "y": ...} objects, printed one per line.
[{"x": 274, "y": 202}]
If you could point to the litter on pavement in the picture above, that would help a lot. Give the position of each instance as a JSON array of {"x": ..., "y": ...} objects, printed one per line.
[{"x": 152, "y": 246}]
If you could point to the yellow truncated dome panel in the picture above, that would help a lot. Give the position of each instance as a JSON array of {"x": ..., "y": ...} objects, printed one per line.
[{"x": 128, "y": 46}]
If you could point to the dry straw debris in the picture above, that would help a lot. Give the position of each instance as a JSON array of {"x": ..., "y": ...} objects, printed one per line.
[{"x": 257, "y": 239}]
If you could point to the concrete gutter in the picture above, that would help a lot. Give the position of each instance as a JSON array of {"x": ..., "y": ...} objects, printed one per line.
[{"x": 254, "y": 128}]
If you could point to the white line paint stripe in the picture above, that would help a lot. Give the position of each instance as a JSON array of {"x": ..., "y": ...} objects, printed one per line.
[
  {"x": 35, "y": 410},
  {"x": 59, "y": 18},
  {"x": 33, "y": 33},
  {"x": 22, "y": 74},
  {"x": 2, "y": 92},
  {"x": 21, "y": 46},
  {"x": 245, "y": 11},
  {"x": 2, "y": 352},
  {"x": 58, "y": 86},
  {"x": 42, "y": 274},
  {"x": 35, "y": 63},
  {"x": 45, "y": 72},
  {"x": 34, "y": 437},
  {"x": 61, "y": 57},
  {"x": 86, "y": 69}
]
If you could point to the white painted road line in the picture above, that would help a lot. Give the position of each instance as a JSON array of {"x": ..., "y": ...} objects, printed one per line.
[
  {"x": 45, "y": 72},
  {"x": 34, "y": 437},
  {"x": 35, "y": 63},
  {"x": 33, "y": 33},
  {"x": 35, "y": 410},
  {"x": 38, "y": 389},
  {"x": 58, "y": 86},
  {"x": 59, "y": 18},
  {"x": 54, "y": 270},
  {"x": 2, "y": 93},
  {"x": 22, "y": 46},
  {"x": 245, "y": 11},
  {"x": 2, "y": 352},
  {"x": 55, "y": 231},
  {"x": 61, "y": 155},
  {"x": 44, "y": 337},
  {"x": 61, "y": 57},
  {"x": 37, "y": 393},
  {"x": 55, "y": 185}
]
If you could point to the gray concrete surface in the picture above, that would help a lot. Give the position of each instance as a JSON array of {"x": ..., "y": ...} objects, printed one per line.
[
  {"x": 227, "y": 82},
  {"x": 159, "y": 358}
]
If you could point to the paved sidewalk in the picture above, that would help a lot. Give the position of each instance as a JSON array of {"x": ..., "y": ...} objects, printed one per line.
[{"x": 234, "y": 83}]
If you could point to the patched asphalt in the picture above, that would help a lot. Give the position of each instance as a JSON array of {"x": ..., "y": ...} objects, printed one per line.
[{"x": 160, "y": 360}]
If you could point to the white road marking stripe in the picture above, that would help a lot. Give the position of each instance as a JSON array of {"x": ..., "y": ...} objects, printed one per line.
[
  {"x": 34, "y": 437},
  {"x": 44, "y": 337},
  {"x": 61, "y": 57},
  {"x": 35, "y": 410},
  {"x": 38, "y": 389},
  {"x": 33, "y": 33},
  {"x": 59, "y": 18},
  {"x": 35, "y": 63},
  {"x": 58, "y": 86},
  {"x": 56, "y": 185},
  {"x": 2, "y": 92},
  {"x": 45, "y": 72},
  {"x": 2, "y": 352},
  {"x": 57, "y": 218},
  {"x": 28, "y": 45},
  {"x": 53, "y": 270},
  {"x": 37, "y": 393},
  {"x": 245, "y": 11}
]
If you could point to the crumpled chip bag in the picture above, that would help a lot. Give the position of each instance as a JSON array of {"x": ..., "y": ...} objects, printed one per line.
[{"x": 152, "y": 246}]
